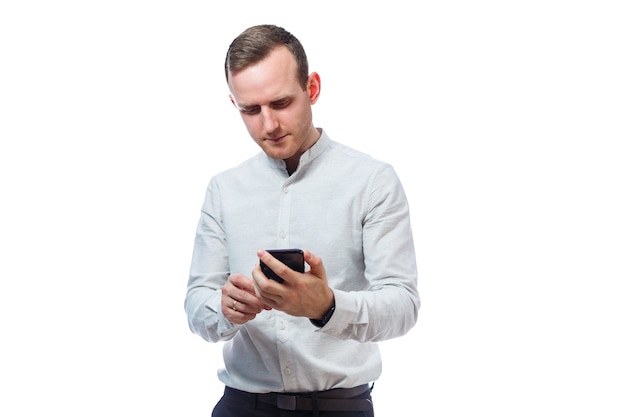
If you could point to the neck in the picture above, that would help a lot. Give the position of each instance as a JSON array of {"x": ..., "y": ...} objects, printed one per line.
[{"x": 293, "y": 162}]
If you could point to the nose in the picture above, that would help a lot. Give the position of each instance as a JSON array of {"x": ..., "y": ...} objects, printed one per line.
[{"x": 270, "y": 120}]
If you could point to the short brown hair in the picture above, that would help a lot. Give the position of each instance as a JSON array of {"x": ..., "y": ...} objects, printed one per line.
[{"x": 256, "y": 43}]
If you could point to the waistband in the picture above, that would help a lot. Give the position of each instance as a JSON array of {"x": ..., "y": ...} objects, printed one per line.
[{"x": 338, "y": 399}]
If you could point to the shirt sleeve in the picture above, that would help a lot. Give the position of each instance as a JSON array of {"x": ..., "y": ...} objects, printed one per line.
[
  {"x": 209, "y": 272},
  {"x": 389, "y": 307}
]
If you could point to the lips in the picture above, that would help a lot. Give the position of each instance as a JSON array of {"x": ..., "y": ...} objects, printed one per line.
[{"x": 276, "y": 140}]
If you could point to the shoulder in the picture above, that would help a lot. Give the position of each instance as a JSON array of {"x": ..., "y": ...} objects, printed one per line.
[
  {"x": 357, "y": 160},
  {"x": 250, "y": 165}
]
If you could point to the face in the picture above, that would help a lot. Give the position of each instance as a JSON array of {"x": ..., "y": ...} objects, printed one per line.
[{"x": 274, "y": 108}]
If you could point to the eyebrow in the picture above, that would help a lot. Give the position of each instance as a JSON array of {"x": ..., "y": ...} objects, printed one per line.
[{"x": 252, "y": 106}]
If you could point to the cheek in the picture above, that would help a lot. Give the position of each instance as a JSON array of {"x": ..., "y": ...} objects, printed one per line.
[
  {"x": 251, "y": 125},
  {"x": 305, "y": 118}
]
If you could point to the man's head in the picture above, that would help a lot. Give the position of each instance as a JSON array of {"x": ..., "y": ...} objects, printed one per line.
[
  {"x": 256, "y": 43},
  {"x": 266, "y": 70}
]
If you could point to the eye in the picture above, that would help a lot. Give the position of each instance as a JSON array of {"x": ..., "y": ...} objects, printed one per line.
[
  {"x": 250, "y": 110},
  {"x": 280, "y": 104}
]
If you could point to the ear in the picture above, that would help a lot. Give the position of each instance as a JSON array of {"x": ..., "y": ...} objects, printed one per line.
[{"x": 314, "y": 87}]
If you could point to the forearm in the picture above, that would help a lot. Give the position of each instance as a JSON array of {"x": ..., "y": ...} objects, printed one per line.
[
  {"x": 203, "y": 308},
  {"x": 389, "y": 306},
  {"x": 208, "y": 273},
  {"x": 372, "y": 316}
]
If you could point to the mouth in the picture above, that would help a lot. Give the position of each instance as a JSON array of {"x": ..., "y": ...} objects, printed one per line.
[{"x": 275, "y": 140}]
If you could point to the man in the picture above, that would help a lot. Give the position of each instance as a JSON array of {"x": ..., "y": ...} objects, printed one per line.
[{"x": 307, "y": 344}]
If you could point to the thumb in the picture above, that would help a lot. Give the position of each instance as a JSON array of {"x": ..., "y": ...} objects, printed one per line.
[{"x": 316, "y": 265}]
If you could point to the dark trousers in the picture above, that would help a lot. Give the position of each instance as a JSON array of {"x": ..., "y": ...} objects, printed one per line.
[{"x": 235, "y": 403}]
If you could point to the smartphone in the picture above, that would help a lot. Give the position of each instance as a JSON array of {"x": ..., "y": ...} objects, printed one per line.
[{"x": 293, "y": 258}]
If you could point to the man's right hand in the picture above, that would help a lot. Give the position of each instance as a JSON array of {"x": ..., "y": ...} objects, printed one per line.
[{"x": 239, "y": 301}]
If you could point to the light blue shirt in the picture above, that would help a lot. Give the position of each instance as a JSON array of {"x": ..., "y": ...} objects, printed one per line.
[{"x": 340, "y": 204}]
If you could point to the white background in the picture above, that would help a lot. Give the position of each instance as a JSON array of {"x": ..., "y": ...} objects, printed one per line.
[{"x": 505, "y": 121}]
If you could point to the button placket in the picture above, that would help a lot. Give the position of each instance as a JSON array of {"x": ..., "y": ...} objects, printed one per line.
[{"x": 284, "y": 215}]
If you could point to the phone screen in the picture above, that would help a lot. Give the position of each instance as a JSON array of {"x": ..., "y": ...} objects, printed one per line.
[{"x": 293, "y": 258}]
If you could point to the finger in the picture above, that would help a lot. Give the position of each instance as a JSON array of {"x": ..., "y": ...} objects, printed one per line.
[
  {"x": 242, "y": 282},
  {"x": 242, "y": 300},
  {"x": 316, "y": 266},
  {"x": 275, "y": 265},
  {"x": 265, "y": 289},
  {"x": 236, "y": 311}
]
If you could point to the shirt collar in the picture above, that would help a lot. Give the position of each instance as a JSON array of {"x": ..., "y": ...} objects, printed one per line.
[{"x": 309, "y": 155}]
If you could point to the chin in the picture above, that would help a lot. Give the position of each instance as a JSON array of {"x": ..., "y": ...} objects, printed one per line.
[{"x": 272, "y": 152}]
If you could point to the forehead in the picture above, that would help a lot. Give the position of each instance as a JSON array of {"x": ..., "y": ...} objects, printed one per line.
[{"x": 273, "y": 77}]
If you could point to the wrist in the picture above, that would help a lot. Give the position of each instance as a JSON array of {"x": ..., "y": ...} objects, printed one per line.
[{"x": 325, "y": 318}]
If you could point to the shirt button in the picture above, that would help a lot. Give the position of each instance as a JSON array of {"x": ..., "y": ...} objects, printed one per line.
[
  {"x": 286, "y": 190},
  {"x": 282, "y": 235},
  {"x": 282, "y": 326},
  {"x": 287, "y": 371}
]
